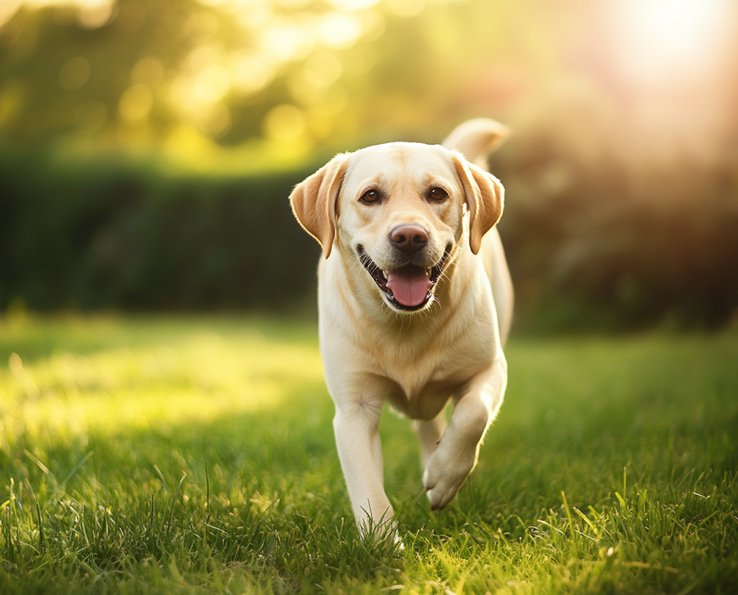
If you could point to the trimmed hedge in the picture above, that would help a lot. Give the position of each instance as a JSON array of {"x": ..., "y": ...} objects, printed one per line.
[{"x": 123, "y": 235}]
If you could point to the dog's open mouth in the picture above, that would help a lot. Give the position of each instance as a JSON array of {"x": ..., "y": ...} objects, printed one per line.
[{"x": 409, "y": 287}]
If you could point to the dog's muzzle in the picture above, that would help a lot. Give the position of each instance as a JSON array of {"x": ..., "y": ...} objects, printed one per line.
[{"x": 408, "y": 287}]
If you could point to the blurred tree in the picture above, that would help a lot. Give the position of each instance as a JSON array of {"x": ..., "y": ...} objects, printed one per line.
[{"x": 148, "y": 72}]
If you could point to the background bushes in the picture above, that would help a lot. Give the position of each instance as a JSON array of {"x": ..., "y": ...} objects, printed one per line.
[
  {"x": 126, "y": 235},
  {"x": 589, "y": 246}
]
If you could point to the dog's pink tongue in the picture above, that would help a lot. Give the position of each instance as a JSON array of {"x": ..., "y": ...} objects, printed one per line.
[{"x": 409, "y": 285}]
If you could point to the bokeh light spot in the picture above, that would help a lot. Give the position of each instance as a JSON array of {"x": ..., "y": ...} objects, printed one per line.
[
  {"x": 74, "y": 73},
  {"x": 354, "y": 4},
  {"x": 250, "y": 73},
  {"x": 284, "y": 123},
  {"x": 95, "y": 13},
  {"x": 287, "y": 41},
  {"x": 148, "y": 71},
  {"x": 322, "y": 70},
  {"x": 406, "y": 8},
  {"x": 339, "y": 30},
  {"x": 136, "y": 102}
]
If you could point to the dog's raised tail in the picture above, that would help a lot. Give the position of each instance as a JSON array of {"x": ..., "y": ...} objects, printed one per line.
[{"x": 476, "y": 138}]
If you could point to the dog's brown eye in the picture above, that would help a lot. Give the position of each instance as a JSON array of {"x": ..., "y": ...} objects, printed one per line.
[
  {"x": 436, "y": 194},
  {"x": 371, "y": 196}
]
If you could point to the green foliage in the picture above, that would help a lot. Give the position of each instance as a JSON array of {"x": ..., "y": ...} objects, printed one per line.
[
  {"x": 602, "y": 238},
  {"x": 196, "y": 455},
  {"x": 95, "y": 233},
  {"x": 218, "y": 70},
  {"x": 98, "y": 234}
]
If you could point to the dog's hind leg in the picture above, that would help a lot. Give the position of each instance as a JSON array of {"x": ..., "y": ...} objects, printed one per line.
[
  {"x": 495, "y": 265},
  {"x": 429, "y": 433}
]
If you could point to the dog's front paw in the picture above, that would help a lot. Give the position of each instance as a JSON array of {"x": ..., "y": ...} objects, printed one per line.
[{"x": 445, "y": 473}]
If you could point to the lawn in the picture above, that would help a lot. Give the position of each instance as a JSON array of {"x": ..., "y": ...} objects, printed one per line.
[{"x": 195, "y": 455}]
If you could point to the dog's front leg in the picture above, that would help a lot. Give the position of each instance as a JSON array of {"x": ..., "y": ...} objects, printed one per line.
[
  {"x": 457, "y": 452},
  {"x": 356, "y": 426}
]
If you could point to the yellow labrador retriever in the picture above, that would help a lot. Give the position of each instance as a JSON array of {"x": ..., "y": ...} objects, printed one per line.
[{"x": 415, "y": 303}]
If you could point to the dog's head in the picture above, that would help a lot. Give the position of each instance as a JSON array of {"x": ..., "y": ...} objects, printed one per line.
[{"x": 402, "y": 211}]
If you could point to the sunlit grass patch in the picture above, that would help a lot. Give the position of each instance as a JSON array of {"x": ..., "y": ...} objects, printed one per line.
[
  {"x": 196, "y": 455},
  {"x": 199, "y": 377}
]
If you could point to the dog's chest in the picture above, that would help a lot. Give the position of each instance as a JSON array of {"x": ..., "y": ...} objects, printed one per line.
[
  {"x": 420, "y": 389},
  {"x": 423, "y": 402},
  {"x": 422, "y": 376}
]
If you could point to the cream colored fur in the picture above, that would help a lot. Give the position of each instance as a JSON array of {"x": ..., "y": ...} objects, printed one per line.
[{"x": 449, "y": 350}]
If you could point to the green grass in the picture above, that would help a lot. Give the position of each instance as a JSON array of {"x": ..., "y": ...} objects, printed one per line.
[{"x": 170, "y": 455}]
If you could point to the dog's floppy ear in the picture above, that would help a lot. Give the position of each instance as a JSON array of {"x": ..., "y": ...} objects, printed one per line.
[
  {"x": 485, "y": 198},
  {"x": 314, "y": 201}
]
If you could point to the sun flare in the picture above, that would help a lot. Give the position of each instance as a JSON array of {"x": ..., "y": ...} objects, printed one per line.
[{"x": 670, "y": 39}]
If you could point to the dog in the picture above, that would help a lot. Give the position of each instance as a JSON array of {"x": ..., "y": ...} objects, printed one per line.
[{"x": 415, "y": 303}]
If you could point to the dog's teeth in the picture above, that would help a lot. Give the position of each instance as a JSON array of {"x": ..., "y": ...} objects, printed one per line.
[
  {"x": 385, "y": 275},
  {"x": 428, "y": 272}
]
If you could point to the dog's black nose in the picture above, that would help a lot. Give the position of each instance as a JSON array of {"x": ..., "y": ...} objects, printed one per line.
[{"x": 409, "y": 238}]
